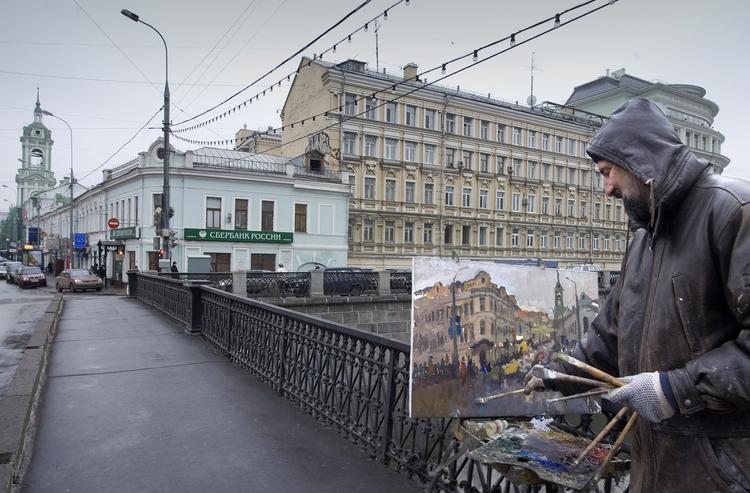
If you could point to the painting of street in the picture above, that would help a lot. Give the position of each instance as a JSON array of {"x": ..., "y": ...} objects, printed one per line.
[{"x": 479, "y": 327}]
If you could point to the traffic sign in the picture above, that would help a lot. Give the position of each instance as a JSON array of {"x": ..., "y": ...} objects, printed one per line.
[
  {"x": 79, "y": 240},
  {"x": 113, "y": 223}
]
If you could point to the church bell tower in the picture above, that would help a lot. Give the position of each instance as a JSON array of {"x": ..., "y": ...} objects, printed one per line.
[{"x": 35, "y": 173}]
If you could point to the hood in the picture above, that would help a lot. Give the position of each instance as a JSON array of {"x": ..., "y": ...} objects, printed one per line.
[{"x": 639, "y": 138}]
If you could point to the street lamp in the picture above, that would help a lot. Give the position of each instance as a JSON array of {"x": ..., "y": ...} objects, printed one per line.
[
  {"x": 72, "y": 232},
  {"x": 578, "y": 311},
  {"x": 165, "y": 209}
]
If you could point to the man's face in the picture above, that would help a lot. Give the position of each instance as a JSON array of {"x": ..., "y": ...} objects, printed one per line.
[{"x": 620, "y": 183}]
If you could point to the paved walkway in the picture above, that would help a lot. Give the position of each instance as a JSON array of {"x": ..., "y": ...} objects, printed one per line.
[{"x": 133, "y": 404}]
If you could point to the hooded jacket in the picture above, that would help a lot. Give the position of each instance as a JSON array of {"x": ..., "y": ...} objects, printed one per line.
[{"x": 681, "y": 304}]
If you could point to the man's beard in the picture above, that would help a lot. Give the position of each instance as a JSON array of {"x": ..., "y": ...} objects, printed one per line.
[{"x": 637, "y": 206}]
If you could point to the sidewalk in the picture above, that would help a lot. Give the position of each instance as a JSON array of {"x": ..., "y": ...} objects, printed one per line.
[{"x": 132, "y": 403}]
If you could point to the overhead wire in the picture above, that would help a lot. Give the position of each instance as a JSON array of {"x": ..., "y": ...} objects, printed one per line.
[{"x": 117, "y": 81}]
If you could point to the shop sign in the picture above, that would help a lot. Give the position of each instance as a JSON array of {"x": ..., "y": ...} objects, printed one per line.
[
  {"x": 238, "y": 236},
  {"x": 124, "y": 233}
]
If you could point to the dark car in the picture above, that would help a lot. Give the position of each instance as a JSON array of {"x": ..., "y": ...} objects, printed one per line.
[
  {"x": 3, "y": 271},
  {"x": 13, "y": 268},
  {"x": 30, "y": 277},
  {"x": 77, "y": 280},
  {"x": 349, "y": 281}
]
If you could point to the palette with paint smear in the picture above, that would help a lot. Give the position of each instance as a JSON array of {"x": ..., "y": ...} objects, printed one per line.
[{"x": 546, "y": 451}]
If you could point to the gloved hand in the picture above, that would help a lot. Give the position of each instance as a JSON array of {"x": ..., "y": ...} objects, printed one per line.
[
  {"x": 532, "y": 383},
  {"x": 645, "y": 394}
]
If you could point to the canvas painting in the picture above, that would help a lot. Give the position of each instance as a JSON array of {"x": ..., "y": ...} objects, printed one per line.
[{"x": 479, "y": 327}]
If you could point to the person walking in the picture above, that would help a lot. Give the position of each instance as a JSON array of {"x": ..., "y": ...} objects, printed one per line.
[
  {"x": 174, "y": 267},
  {"x": 281, "y": 268},
  {"x": 677, "y": 322}
]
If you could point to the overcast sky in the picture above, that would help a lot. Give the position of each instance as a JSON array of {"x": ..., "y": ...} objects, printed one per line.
[{"x": 218, "y": 47}]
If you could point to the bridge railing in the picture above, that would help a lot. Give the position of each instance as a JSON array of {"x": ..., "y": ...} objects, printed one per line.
[{"x": 355, "y": 382}]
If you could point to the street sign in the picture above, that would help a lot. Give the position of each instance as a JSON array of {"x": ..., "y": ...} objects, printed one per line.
[
  {"x": 113, "y": 223},
  {"x": 79, "y": 240}
]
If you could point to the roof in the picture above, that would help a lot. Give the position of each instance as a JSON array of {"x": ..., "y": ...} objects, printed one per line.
[
  {"x": 606, "y": 84},
  {"x": 213, "y": 152}
]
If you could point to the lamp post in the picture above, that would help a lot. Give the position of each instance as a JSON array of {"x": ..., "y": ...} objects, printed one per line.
[
  {"x": 165, "y": 209},
  {"x": 454, "y": 328},
  {"x": 578, "y": 311},
  {"x": 72, "y": 229}
]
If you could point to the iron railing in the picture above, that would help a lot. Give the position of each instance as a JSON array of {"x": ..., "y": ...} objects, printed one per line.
[
  {"x": 347, "y": 283},
  {"x": 214, "y": 277},
  {"x": 355, "y": 382},
  {"x": 400, "y": 282}
]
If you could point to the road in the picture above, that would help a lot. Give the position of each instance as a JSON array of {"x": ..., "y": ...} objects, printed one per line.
[{"x": 19, "y": 311}]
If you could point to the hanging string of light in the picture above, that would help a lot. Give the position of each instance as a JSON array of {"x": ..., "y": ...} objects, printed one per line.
[
  {"x": 279, "y": 65},
  {"x": 513, "y": 43}
]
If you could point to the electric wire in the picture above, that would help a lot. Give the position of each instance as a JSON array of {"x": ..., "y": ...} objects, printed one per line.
[{"x": 116, "y": 81}]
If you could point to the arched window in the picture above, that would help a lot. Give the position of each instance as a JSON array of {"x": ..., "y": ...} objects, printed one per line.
[{"x": 37, "y": 158}]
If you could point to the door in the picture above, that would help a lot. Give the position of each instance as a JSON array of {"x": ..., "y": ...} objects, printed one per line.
[
  {"x": 220, "y": 262},
  {"x": 263, "y": 261},
  {"x": 153, "y": 261}
]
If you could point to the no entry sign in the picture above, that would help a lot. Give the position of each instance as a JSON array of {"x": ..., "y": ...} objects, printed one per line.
[{"x": 113, "y": 223}]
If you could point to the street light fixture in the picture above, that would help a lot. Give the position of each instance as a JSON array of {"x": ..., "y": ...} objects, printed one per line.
[
  {"x": 72, "y": 231},
  {"x": 165, "y": 209}
]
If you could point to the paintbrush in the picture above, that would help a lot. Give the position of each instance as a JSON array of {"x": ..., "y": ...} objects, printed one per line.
[
  {"x": 600, "y": 436},
  {"x": 595, "y": 372},
  {"x": 547, "y": 374},
  {"x": 582, "y": 395},
  {"x": 616, "y": 446},
  {"x": 484, "y": 400}
]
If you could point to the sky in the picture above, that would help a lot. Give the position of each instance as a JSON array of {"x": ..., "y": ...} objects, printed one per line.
[{"x": 104, "y": 73}]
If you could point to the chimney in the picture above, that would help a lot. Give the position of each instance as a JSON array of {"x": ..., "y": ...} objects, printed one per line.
[{"x": 410, "y": 71}]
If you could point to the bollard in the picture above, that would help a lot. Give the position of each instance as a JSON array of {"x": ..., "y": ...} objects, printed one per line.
[
  {"x": 316, "y": 283},
  {"x": 384, "y": 283},
  {"x": 239, "y": 283}
]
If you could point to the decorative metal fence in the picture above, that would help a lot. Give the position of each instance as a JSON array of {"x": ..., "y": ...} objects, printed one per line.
[
  {"x": 355, "y": 382},
  {"x": 215, "y": 278},
  {"x": 278, "y": 284},
  {"x": 348, "y": 283},
  {"x": 400, "y": 282},
  {"x": 169, "y": 296}
]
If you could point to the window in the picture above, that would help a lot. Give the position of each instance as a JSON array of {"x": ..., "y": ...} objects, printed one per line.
[
  {"x": 482, "y": 235},
  {"x": 370, "y": 107},
  {"x": 606, "y": 244},
  {"x": 468, "y": 122},
  {"x": 349, "y": 140},
  {"x": 514, "y": 238},
  {"x": 484, "y": 163},
  {"x": 410, "y": 115},
  {"x": 545, "y": 205},
  {"x": 596, "y": 241},
  {"x": 448, "y": 234},
  {"x": 427, "y": 236},
  {"x": 367, "y": 230},
  {"x": 531, "y": 204},
  {"x": 388, "y": 231},
  {"x": 597, "y": 211},
  {"x": 429, "y": 154},
  {"x": 571, "y": 207},
  {"x": 558, "y": 144},
  {"x": 429, "y": 119},
  {"x": 466, "y": 197},
  {"x": 135, "y": 212},
  {"x": 516, "y": 169},
  {"x": 543, "y": 239},
  {"x": 390, "y": 189},
  {"x": 571, "y": 176},
  {"x": 618, "y": 213},
  {"x": 545, "y": 142},
  {"x": 559, "y": 170},
  {"x": 350, "y": 104},
  {"x": 371, "y": 146},
  {"x": 531, "y": 169},
  {"x": 449, "y": 195},
  {"x": 570, "y": 241},
  {"x": 546, "y": 167},
  {"x": 429, "y": 190},
  {"x": 450, "y": 156},
  {"x": 516, "y": 202},
  {"x": 584, "y": 146},
  {"x": 410, "y": 151},
  {"x": 583, "y": 210},
  {"x": 410, "y": 195},
  {"x": 500, "y": 200},
  {"x": 450, "y": 123},
  {"x": 484, "y": 130},
  {"x": 531, "y": 138},
  {"x": 390, "y": 113},
  {"x": 266, "y": 215},
  {"x": 369, "y": 187},
  {"x": 156, "y": 199},
  {"x": 584, "y": 177},
  {"x": 391, "y": 148},
  {"x": 213, "y": 212},
  {"x": 557, "y": 240},
  {"x": 571, "y": 147},
  {"x": 617, "y": 244},
  {"x": 466, "y": 235},
  {"x": 467, "y": 159},
  {"x": 516, "y": 136},
  {"x": 608, "y": 213},
  {"x": 499, "y": 235},
  {"x": 500, "y": 163},
  {"x": 558, "y": 206},
  {"x": 408, "y": 232},
  {"x": 530, "y": 238},
  {"x": 581, "y": 242},
  {"x": 300, "y": 218},
  {"x": 598, "y": 181},
  {"x": 483, "y": 198},
  {"x": 240, "y": 214},
  {"x": 501, "y": 133}
]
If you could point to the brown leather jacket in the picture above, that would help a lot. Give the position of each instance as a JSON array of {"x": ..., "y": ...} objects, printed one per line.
[{"x": 681, "y": 305}]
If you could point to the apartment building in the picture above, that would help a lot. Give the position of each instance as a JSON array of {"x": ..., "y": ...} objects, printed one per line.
[{"x": 440, "y": 171}]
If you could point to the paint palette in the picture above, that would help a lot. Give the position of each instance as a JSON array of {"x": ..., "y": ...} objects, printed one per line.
[{"x": 548, "y": 452}]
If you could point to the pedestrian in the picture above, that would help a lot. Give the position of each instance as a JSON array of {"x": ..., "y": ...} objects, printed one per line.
[
  {"x": 174, "y": 267},
  {"x": 677, "y": 320},
  {"x": 50, "y": 267},
  {"x": 281, "y": 268}
]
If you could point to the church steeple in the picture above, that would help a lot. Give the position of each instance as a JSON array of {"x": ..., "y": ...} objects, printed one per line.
[
  {"x": 38, "y": 109},
  {"x": 35, "y": 173}
]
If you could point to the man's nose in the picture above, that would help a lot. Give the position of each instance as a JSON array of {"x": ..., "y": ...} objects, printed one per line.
[{"x": 609, "y": 189}]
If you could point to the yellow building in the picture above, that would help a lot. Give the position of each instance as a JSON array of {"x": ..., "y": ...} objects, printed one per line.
[{"x": 446, "y": 170}]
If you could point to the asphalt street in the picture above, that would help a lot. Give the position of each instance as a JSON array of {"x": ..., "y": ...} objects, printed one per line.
[{"x": 19, "y": 310}]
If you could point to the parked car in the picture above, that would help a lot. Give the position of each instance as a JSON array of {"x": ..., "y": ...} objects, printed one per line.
[
  {"x": 77, "y": 280},
  {"x": 348, "y": 281},
  {"x": 3, "y": 272},
  {"x": 30, "y": 276},
  {"x": 12, "y": 267}
]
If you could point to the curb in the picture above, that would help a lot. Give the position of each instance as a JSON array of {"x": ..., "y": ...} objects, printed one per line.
[{"x": 18, "y": 405}]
